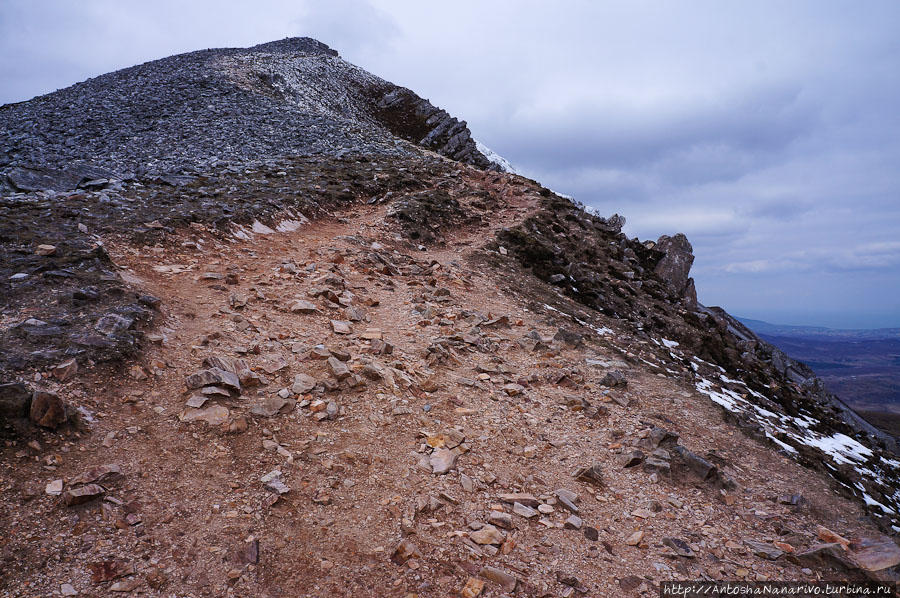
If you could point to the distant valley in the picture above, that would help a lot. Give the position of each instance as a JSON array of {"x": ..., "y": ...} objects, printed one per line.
[{"x": 862, "y": 367}]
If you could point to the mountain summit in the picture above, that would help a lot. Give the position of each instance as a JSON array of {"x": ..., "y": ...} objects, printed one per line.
[
  {"x": 218, "y": 107},
  {"x": 272, "y": 326}
]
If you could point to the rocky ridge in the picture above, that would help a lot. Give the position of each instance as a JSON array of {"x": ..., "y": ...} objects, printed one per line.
[
  {"x": 390, "y": 369},
  {"x": 218, "y": 108}
]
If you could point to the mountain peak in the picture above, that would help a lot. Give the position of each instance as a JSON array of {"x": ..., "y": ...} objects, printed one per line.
[{"x": 298, "y": 45}]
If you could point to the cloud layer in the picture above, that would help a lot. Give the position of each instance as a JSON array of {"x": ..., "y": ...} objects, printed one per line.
[{"x": 768, "y": 132}]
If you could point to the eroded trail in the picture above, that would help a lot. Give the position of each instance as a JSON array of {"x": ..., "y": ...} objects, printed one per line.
[{"x": 412, "y": 425}]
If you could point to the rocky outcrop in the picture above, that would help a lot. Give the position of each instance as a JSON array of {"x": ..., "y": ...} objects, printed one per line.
[
  {"x": 675, "y": 267},
  {"x": 768, "y": 394},
  {"x": 218, "y": 108}
]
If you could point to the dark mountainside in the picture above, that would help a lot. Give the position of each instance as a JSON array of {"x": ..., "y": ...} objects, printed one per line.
[
  {"x": 462, "y": 383},
  {"x": 862, "y": 367}
]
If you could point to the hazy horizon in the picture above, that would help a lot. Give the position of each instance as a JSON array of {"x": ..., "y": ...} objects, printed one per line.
[{"x": 766, "y": 132}]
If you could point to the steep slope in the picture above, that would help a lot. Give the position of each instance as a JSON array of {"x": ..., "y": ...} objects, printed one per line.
[
  {"x": 218, "y": 108},
  {"x": 364, "y": 369}
]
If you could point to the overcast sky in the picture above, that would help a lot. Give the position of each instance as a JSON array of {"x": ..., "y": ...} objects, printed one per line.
[{"x": 768, "y": 132}]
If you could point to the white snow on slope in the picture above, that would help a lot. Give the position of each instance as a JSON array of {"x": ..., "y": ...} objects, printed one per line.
[{"x": 496, "y": 158}]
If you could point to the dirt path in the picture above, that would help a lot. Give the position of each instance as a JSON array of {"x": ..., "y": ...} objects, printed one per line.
[{"x": 358, "y": 452}]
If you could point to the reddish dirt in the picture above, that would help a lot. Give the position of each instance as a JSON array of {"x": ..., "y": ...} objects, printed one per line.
[{"x": 355, "y": 481}]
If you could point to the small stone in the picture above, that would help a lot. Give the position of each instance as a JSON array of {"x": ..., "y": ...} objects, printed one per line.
[
  {"x": 272, "y": 481},
  {"x": 196, "y": 401},
  {"x": 66, "y": 589},
  {"x": 302, "y": 306},
  {"x": 487, "y": 535},
  {"x": 525, "y": 499},
  {"x": 524, "y": 511},
  {"x": 591, "y": 533},
  {"x": 214, "y": 415},
  {"x": 573, "y": 522},
  {"x": 137, "y": 372},
  {"x": 466, "y": 482},
  {"x": 501, "y": 519},
  {"x": 763, "y": 550},
  {"x": 472, "y": 589},
  {"x": 271, "y": 406},
  {"x": 341, "y": 327},
  {"x": 54, "y": 488},
  {"x": 303, "y": 384},
  {"x": 545, "y": 509},
  {"x": 405, "y": 551},
  {"x": 66, "y": 370},
  {"x": 680, "y": 547},
  {"x": 513, "y": 390},
  {"x": 500, "y": 577},
  {"x": 443, "y": 460},
  {"x": 372, "y": 334},
  {"x": 45, "y": 250},
  {"x": 635, "y": 538}
]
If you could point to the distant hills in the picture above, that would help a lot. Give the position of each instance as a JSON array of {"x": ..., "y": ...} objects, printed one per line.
[
  {"x": 862, "y": 367},
  {"x": 761, "y": 327}
]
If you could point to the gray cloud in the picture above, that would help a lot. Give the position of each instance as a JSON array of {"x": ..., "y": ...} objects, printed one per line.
[{"x": 766, "y": 131}]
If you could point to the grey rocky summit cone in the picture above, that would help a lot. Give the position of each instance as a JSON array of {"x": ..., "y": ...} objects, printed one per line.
[{"x": 199, "y": 110}]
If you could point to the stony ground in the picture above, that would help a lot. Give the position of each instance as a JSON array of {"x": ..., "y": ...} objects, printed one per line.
[{"x": 373, "y": 417}]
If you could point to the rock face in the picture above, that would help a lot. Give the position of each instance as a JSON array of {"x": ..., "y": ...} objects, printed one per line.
[
  {"x": 192, "y": 111},
  {"x": 675, "y": 267}
]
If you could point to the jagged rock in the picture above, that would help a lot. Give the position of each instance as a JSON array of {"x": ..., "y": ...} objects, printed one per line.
[
  {"x": 614, "y": 379},
  {"x": 213, "y": 376},
  {"x": 47, "y": 409},
  {"x": 590, "y": 475},
  {"x": 675, "y": 266},
  {"x": 82, "y": 494},
  {"x": 405, "y": 550},
  {"x": 573, "y": 522},
  {"x": 272, "y": 481},
  {"x": 112, "y": 324},
  {"x": 101, "y": 474},
  {"x": 635, "y": 538}
]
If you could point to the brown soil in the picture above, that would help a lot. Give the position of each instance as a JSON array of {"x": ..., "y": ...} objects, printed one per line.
[{"x": 355, "y": 481}]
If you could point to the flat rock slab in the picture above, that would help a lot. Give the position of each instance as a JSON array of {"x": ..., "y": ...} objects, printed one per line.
[
  {"x": 214, "y": 415},
  {"x": 82, "y": 494},
  {"x": 101, "y": 474},
  {"x": 271, "y": 406}
]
